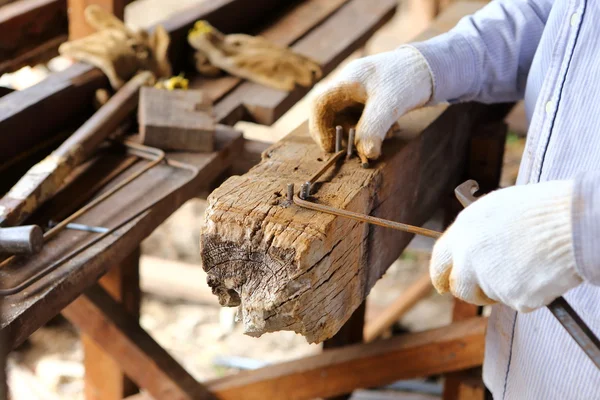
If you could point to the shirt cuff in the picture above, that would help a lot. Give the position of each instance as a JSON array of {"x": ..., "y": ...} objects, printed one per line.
[
  {"x": 586, "y": 226},
  {"x": 453, "y": 80}
]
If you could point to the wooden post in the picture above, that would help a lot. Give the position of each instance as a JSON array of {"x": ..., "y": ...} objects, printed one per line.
[
  {"x": 78, "y": 28},
  {"x": 104, "y": 379},
  {"x": 350, "y": 333}
]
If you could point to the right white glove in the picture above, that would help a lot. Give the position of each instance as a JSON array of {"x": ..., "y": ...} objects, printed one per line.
[{"x": 381, "y": 87}]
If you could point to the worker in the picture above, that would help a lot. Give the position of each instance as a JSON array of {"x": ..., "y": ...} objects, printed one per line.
[{"x": 520, "y": 247}]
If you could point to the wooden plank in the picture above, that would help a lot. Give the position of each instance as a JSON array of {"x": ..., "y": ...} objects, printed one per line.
[
  {"x": 98, "y": 315},
  {"x": 294, "y": 269},
  {"x": 407, "y": 299},
  {"x": 329, "y": 44},
  {"x": 33, "y": 115},
  {"x": 176, "y": 119},
  {"x": 78, "y": 27},
  {"x": 333, "y": 372},
  {"x": 28, "y": 310},
  {"x": 292, "y": 26},
  {"x": 28, "y": 26},
  {"x": 104, "y": 377}
]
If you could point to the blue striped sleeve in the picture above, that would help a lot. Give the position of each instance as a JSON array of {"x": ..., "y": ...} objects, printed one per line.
[
  {"x": 487, "y": 56},
  {"x": 586, "y": 226}
]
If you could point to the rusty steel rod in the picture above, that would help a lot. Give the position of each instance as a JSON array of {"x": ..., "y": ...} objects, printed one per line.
[{"x": 367, "y": 218}]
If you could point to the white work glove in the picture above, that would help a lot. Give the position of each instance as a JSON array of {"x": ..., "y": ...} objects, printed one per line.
[
  {"x": 385, "y": 85},
  {"x": 512, "y": 246}
]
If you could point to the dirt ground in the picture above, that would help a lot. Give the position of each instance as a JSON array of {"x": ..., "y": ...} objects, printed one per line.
[{"x": 203, "y": 337}]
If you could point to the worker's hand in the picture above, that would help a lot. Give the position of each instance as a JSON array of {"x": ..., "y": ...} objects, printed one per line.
[
  {"x": 118, "y": 51},
  {"x": 375, "y": 91},
  {"x": 512, "y": 246}
]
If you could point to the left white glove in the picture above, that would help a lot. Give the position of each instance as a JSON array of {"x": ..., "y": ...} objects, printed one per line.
[{"x": 512, "y": 246}]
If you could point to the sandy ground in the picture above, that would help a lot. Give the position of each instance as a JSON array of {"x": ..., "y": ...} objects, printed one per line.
[{"x": 202, "y": 336}]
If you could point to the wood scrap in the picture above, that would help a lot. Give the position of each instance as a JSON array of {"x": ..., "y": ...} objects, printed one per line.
[
  {"x": 294, "y": 269},
  {"x": 176, "y": 119}
]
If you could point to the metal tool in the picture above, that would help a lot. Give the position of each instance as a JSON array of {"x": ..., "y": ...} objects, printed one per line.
[
  {"x": 465, "y": 193},
  {"x": 27, "y": 239}
]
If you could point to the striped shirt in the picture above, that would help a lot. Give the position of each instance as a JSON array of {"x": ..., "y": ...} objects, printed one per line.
[{"x": 547, "y": 53}]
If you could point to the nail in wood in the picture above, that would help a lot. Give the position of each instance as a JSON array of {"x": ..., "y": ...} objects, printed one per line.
[
  {"x": 290, "y": 191},
  {"x": 350, "y": 149},
  {"x": 339, "y": 131}
]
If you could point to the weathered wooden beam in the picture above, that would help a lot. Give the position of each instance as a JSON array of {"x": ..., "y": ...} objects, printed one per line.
[
  {"x": 29, "y": 28},
  {"x": 294, "y": 269},
  {"x": 450, "y": 348},
  {"x": 98, "y": 315},
  {"x": 330, "y": 43},
  {"x": 104, "y": 377},
  {"x": 30, "y": 116}
]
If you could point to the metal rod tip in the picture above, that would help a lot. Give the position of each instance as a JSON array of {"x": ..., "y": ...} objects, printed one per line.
[
  {"x": 290, "y": 191},
  {"x": 351, "y": 135},
  {"x": 339, "y": 133}
]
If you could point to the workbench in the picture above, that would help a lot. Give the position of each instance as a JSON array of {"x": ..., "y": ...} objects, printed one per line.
[{"x": 116, "y": 346}]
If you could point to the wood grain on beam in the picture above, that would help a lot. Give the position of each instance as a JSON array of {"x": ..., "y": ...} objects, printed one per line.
[
  {"x": 99, "y": 316},
  {"x": 329, "y": 44},
  {"x": 28, "y": 27},
  {"x": 294, "y": 269}
]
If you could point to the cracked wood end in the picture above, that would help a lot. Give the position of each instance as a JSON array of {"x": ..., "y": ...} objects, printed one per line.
[{"x": 294, "y": 269}]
